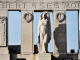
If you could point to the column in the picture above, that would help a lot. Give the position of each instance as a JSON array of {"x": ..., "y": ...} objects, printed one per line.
[
  {"x": 27, "y": 38},
  {"x": 59, "y": 34},
  {"x": 4, "y": 35},
  {"x": 79, "y": 35}
]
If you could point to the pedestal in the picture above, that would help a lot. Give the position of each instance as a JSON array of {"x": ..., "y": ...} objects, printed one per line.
[
  {"x": 4, "y": 57},
  {"x": 4, "y": 50},
  {"x": 4, "y": 53},
  {"x": 79, "y": 56},
  {"x": 44, "y": 56}
]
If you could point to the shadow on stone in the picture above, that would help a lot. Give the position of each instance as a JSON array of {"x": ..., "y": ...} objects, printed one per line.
[
  {"x": 60, "y": 42},
  {"x": 14, "y": 49}
]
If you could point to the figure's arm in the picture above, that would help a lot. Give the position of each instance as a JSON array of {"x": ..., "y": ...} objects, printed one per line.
[{"x": 38, "y": 29}]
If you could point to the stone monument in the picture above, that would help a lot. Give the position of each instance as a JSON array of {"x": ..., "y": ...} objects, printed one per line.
[
  {"x": 44, "y": 32},
  {"x": 27, "y": 9}
]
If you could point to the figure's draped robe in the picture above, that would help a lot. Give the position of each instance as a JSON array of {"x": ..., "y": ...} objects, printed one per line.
[{"x": 44, "y": 33}]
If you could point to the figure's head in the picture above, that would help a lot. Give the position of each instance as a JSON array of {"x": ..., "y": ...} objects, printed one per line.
[{"x": 43, "y": 15}]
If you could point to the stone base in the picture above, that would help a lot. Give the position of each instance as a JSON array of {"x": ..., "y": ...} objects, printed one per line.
[
  {"x": 4, "y": 50},
  {"x": 4, "y": 57},
  {"x": 25, "y": 56},
  {"x": 78, "y": 56},
  {"x": 79, "y": 51},
  {"x": 59, "y": 56},
  {"x": 44, "y": 56}
]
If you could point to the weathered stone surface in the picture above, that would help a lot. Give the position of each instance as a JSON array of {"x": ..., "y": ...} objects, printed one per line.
[
  {"x": 60, "y": 47},
  {"x": 3, "y": 27},
  {"x": 38, "y": 0},
  {"x": 59, "y": 31},
  {"x": 79, "y": 34},
  {"x": 3, "y": 31},
  {"x": 27, "y": 33},
  {"x": 4, "y": 50},
  {"x": 44, "y": 56},
  {"x": 27, "y": 44},
  {"x": 39, "y": 4},
  {"x": 74, "y": 56},
  {"x": 4, "y": 56},
  {"x": 27, "y": 56},
  {"x": 36, "y": 57},
  {"x": 4, "y": 12},
  {"x": 59, "y": 56}
]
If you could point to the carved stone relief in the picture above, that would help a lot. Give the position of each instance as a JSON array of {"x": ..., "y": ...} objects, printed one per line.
[
  {"x": 3, "y": 31},
  {"x": 60, "y": 16},
  {"x": 28, "y": 17}
]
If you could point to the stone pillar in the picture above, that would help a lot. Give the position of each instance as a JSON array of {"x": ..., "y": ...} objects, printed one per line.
[
  {"x": 27, "y": 40},
  {"x": 59, "y": 34},
  {"x": 79, "y": 36},
  {"x": 4, "y": 35}
]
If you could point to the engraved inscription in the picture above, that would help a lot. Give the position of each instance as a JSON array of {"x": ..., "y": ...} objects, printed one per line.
[{"x": 40, "y": 5}]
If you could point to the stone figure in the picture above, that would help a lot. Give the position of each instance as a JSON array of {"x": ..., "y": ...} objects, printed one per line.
[
  {"x": 2, "y": 31},
  {"x": 44, "y": 32}
]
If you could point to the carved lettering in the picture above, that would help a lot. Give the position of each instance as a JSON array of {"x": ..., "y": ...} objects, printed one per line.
[
  {"x": 66, "y": 5},
  {"x": 33, "y": 5},
  {"x": 11, "y": 5},
  {"x": 42, "y": 5},
  {"x": 0, "y": 5},
  {"x": 56, "y": 5},
  {"x": 78, "y": 5},
  {"x": 4, "y": 5},
  {"x": 73, "y": 5},
  {"x": 49, "y": 5},
  {"x": 17, "y": 5},
  {"x": 24, "y": 4}
]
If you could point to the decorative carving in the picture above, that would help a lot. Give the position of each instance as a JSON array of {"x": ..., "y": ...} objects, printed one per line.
[
  {"x": 2, "y": 31},
  {"x": 28, "y": 17},
  {"x": 60, "y": 16},
  {"x": 44, "y": 32}
]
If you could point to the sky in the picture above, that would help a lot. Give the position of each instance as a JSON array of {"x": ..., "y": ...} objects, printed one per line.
[
  {"x": 14, "y": 29},
  {"x": 72, "y": 30}
]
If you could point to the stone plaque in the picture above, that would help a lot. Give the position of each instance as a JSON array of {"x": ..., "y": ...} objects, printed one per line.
[{"x": 2, "y": 31}]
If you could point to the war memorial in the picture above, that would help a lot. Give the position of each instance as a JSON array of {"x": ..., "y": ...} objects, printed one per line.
[{"x": 27, "y": 9}]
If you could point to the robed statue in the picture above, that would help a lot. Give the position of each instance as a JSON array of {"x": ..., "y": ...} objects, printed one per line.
[{"x": 44, "y": 32}]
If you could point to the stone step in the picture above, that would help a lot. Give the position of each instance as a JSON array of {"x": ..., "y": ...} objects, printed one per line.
[
  {"x": 3, "y": 48},
  {"x": 4, "y": 57},
  {"x": 4, "y": 51}
]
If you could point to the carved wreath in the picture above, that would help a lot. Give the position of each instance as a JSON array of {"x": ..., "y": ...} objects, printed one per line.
[
  {"x": 60, "y": 16},
  {"x": 28, "y": 17},
  {"x": 2, "y": 19}
]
